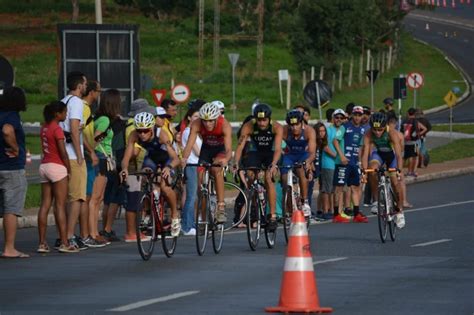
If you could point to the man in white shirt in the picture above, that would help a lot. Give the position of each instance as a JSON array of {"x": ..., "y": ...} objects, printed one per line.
[{"x": 72, "y": 126}]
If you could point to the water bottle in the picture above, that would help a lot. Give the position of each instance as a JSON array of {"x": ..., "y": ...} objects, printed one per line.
[{"x": 156, "y": 195}]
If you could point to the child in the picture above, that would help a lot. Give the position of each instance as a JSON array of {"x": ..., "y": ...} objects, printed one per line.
[{"x": 54, "y": 171}]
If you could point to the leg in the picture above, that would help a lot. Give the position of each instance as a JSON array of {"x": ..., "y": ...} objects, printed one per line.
[
  {"x": 271, "y": 193},
  {"x": 191, "y": 190},
  {"x": 96, "y": 199},
  {"x": 60, "y": 193},
  {"x": 46, "y": 199}
]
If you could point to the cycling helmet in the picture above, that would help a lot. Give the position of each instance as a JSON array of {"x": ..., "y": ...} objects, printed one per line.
[
  {"x": 262, "y": 111},
  {"x": 144, "y": 120},
  {"x": 209, "y": 111},
  {"x": 219, "y": 104},
  {"x": 388, "y": 101},
  {"x": 294, "y": 116},
  {"x": 378, "y": 120}
]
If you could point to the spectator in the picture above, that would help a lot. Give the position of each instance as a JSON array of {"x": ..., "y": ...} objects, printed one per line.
[
  {"x": 72, "y": 127},
  {"x": 191, "y": 174},
  {"x": 306, "y": 112},
  {"x": 321, "y": 144},
  {"x": 328, "y": 164},
  {"x": 423, "y": 156},
  {"x": 412, "y": 130},
  {"x": 53, "y": 171},
  {"x": 171, "y": 110},
  {"x": 366, "y": 117},
  {"x": 13, "y": 183},
  {"x": 349, "y": 107}
]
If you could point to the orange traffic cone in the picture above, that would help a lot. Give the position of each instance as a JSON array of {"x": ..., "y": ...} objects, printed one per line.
[{"x": 298, "y": 287}]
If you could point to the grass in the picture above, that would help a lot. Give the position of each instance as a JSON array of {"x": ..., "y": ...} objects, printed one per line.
[
  {"x": 33, "y": 143},
  {"x": 464, "y": 128},
  {"x": 458, "y": 149},
  {"x": 33, "y": 196},
  {"x": 168, "y": 50}
]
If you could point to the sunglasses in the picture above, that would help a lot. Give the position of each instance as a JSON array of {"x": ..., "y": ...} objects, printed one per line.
[
  {"x": 222, "y": 112},
  {"x": 378, "y": 129},
  {"x": 339, "y": 117},
  {"x": 143, "y": 131}
]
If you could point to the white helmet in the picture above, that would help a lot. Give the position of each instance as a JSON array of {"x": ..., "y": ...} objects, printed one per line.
[
  {"x": 220, "y": 105},
  {"x": 209, "y": 111},
  {"x": 144, "y": 120}
]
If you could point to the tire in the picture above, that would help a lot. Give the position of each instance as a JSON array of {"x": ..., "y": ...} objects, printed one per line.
[
  {"x": 234, "y": 216},
  {"x": 164, "y": 224},
  {"x": 145, "y": 227},
  {"x": 391, "y": 224},
  {"x": 217, "y": 237},
  {"x": 382, "y": 215},
  {"x": 202, "y": 223},
  {"x": 287, "y": 214},
  {"x": 253, "y": 220},
  {"x": 270, "y": 237}
]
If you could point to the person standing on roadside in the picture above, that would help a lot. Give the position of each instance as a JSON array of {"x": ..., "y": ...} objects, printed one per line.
[
  {"x": 72, "y": 127},
  {"x": 412, "y": 130},
  {"x": 13, "y": 183}
]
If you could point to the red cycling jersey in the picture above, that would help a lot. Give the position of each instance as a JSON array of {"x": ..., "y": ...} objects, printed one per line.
[{"x": 215, "y": 137}]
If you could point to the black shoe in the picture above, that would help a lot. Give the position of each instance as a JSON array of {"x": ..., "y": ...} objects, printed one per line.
[
  {"x": 57, "y": 243},
  {"x": 272, "y": 224},
  {"x": 111, "y": 236},
  {"x": 349, "y": 212},
  {"x": 79, "y": 242}
]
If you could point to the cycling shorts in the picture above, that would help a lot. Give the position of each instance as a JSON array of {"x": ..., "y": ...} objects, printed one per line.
[
  {"x": 290, "y": 159},
  {"x": 387, "y": 158},
  {"x": 258, "y": 159},
  {"x": 209, "y": 153}
]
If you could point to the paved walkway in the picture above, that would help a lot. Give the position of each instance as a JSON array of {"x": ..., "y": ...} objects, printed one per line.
[{"x": 432, "y": 172}]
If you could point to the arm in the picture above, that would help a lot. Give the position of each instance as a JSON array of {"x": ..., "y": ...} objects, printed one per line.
[
  {"x": 227, "y": 141},
  {"x": 343, "y": 158},
  {"x": 396, "y": 148},
  {"x": 90, "y": 149},
  {"x": 311, "y": 136},
  {"x": 278, "y": 141},
  {"x": 12, "y": 150},
  {"x": 63, "y": 153},
  {"x": 164, "y": 139},
  {"x": 76, "y": 144},
  {"x": 422, "y": 130},
  {"x": 365, "y": 151},
  {"x": 129, "y": 152},
  {"x": 244, "y": 135},
  {"x": 193, "y": 133}
]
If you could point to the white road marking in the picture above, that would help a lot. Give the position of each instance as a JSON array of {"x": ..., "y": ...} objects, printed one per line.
[
  {"x": 329, "y": 260},
  {"x": 139, "y": 304},
  {"x": 444, "y": 240},
  {"x": 440, "y": 206}
]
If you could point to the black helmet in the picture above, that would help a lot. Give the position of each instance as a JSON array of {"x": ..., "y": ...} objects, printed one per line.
[
  {"x": 294, "y": 116},
  {"x": 262, "y": 111},
  {"x": 378, "y": 120},
  {"x": 388, "y": 101}
]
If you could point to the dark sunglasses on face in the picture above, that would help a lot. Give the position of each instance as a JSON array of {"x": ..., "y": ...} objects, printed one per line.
[
  {"x": 143, "y": 131},
  {"x": 339, "y": 117}
]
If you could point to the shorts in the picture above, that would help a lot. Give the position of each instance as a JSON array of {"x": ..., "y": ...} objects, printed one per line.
[
  {"x": 13, "y": 187},
  {"x": 153, "y": 165},
  {"x": 347, "y": 175},
  {"x": 409, "y": 151},
  {"x": 258, "y": 159},
  {"x": 77, "y": 181},
  {"x": 290, "y": 159},
  {"x": 114, "y": 192},
  {"x": 90, "y": 177},
  {"x": 52, "y": 172},
  {"x": 101, "y": 168},
  {"x": 326, "y": 182},
  {"x": 134, "y": 193},
  {"x": 209, "y": 153},
  {"x": 387, "y": 158}
]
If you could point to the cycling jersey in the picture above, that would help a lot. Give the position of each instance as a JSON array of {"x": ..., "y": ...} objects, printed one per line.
[
  {"x": 214, "y": 137},
  {"x": 352, "y": 142},
  {"x": 296, "y": 146},
  {"x": 383, "y": 143},
  {"x": 155, "y": 150},
  {"x": 262, "y": 140}
]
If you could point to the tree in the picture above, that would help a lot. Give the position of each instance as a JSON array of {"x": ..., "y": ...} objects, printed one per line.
[{"x": 75, "y": 10}]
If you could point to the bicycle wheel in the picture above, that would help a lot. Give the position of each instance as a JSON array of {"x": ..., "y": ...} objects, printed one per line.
[
  {"x": 270, "y": 236},
  {"x": 391, "y": 223},
  {"x": 235, "y": 205},
  {"x": 288, "y": 213},
  {"x": 253, "y": 220},
  {"x": 202, "y": 223},
  {"x": 217, "y": 237},
  {"x": 164, "y": 224},
  {"x": 382, "y": 215},
  {"x": 145, "y": 228}
]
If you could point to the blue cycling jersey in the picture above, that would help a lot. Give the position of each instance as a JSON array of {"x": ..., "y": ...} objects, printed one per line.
[{"x": 296, "y": 145}]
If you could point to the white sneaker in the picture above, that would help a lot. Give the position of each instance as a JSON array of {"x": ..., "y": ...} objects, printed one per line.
[
  {"x": 375, "y": 208},
  {"x": 400, "y": 220},
  {"x": 175, "y": 227},
  {"x": 306, "y": 210},
  {"x": 191, "y": 232}
]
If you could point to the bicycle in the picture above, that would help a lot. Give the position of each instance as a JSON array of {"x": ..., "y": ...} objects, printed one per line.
[
  {"x": 256, "y": 211},
  {"x": 293, "y": 200},
  {"x": 206, "y": 225},
  {"x": 153, "y": 219},
  {"x": 386, "y": 204}
]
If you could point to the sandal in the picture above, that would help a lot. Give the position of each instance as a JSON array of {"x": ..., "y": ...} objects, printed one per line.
[{"x": 43, "y": 248}]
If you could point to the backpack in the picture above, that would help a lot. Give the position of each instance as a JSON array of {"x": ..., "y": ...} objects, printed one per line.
[
  {"x": 119, "y": 143},
  {"x": 410, "y": 130}
]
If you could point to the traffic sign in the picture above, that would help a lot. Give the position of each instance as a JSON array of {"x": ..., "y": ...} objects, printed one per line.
[
  {"x": 450, "y": 99},
  {"x": 158, "y": 96},
  {"x": 372, "y": 75},
  {"x": 415, "y": 80},
  {"x": 180, "y": 93}
]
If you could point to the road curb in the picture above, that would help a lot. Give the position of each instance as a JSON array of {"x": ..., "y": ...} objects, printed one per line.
[{"x": 32, "y": 220}]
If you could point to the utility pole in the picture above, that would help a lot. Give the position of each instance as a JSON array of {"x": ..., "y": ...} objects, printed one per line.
[
  {"x": 201, "y": 41},
  {"x": 217, "y": 23},
  {"x": 98, "y": 12}
]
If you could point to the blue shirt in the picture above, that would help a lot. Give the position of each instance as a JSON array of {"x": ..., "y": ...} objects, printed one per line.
[
  {"x": 296, "y": 146},
  {"x": 16, "y": 163},
  {"x": 352, "y": 142},
  {"x": 327, "y": 161},
  {"x": 340, "y": 139}
]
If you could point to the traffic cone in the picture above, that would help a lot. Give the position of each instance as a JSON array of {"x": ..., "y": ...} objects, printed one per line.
[{"x": 298, "y": 287}]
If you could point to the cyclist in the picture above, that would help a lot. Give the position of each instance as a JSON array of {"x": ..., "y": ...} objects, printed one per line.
[
  {"x": 264, "y": 150},
  {"x": 160, "y": 155},
  {"x": 384, "y": 147},
  {"x": 300, "y": 148},
  {"x": 216, "y": 134}
]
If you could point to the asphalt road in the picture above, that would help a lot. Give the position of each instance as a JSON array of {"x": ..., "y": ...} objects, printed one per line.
[
  {"x": 356, "y": 273},
  {"x": 458, "y": 25}
]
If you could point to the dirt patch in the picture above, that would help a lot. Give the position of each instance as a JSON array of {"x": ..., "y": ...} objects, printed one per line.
[{"x": 19, "y": 50}]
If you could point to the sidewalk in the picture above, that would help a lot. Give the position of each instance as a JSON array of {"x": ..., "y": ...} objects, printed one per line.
[{"x": 432, "y": 172}]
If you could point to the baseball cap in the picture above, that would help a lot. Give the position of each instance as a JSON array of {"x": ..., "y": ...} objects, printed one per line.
[
  {"x": 161, "y": 112},
  {"x": 357, "y": 110},
  {"x": 339, "y": 112}
]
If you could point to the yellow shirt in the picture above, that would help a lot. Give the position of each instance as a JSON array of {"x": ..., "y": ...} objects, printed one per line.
[
  {"x": 88, "y": 128},
  {"x": 137, "y": 161}
]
